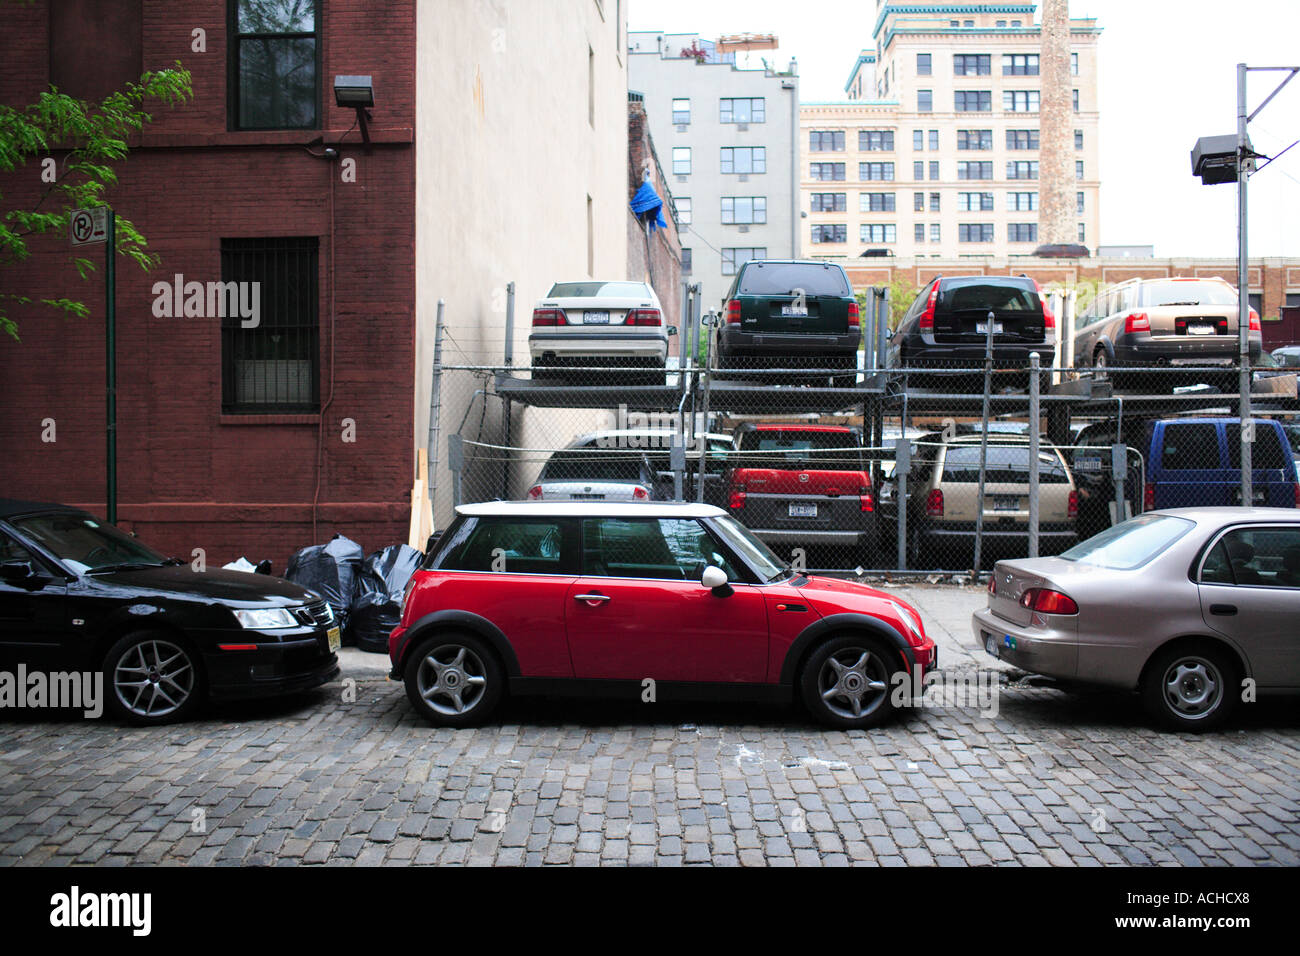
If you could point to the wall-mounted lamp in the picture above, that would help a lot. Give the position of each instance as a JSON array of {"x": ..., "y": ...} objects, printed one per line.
[{"x": 356, "y": 92}]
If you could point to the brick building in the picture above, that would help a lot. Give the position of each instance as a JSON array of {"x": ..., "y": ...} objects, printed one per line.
[{"x": 656, "y": 256}]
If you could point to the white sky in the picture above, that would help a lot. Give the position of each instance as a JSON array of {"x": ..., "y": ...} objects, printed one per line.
[{"x": 1168, "y": 76}]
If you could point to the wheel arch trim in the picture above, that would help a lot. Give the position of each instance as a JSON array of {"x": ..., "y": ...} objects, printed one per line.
[
  {"x": 845, "y": 623},
  {"x": 453, "y": 619}
]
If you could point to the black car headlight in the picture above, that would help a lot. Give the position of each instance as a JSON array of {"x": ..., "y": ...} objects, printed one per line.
[{"x": 265, "y": 618}]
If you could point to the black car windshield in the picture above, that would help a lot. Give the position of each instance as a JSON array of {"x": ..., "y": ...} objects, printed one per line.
[
  {"x": 1187, "y": 292},
  {"x": 592, "y": 290},
  {"x": 85, "y": 544},
  {"x": 783, "y": 278},
  {"x": 1131, "y": 544},
  {"x": 756, "y": 554},
  {"x": 592, "y": 464}
]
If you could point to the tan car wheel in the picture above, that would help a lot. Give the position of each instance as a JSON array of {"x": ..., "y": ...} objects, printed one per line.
[{"x": 1191, "y": 688}]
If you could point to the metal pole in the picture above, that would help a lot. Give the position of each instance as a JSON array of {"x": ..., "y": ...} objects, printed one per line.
[
  {"x": 902, "y": 465},
  {"x": 1118, "y": 475},
  {"x": 435, "y": 407},
  {"x": 685, "y": 329},
  {"x": 1034, "y": 426},
  {"x": 704, "y": 418},
  {"x": 510, "y": 324},
  {"x": 984, "y": 443},
  {"x": 110, "y": 347},
  {"x": 1243, "y": 295},
  {"x": 882, "y": 326}
]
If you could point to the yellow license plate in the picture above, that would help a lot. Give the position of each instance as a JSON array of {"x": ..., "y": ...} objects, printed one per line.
[{"x": 335, "y": 639}]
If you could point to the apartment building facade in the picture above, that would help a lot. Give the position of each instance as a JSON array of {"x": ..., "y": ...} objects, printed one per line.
[
  {"x": 729, "y": 140},
  {"x": 936, "y": 153}
]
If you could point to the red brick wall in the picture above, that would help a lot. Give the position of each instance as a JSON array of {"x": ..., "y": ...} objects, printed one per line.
[
  {"x": 664, "y": 247},
  {"x": 189, "y": 477}
]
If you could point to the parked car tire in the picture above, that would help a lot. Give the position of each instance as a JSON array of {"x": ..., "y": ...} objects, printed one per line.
[
  {"x": 862, "y": 670},
  {"x": 453, "y": 679},
  {"x": 153, "y": 677},
  {"x": 1191, "y": 687}
]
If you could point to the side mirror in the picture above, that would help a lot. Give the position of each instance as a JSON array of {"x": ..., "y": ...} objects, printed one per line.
[
  {"x": 714, "y": 578},
  {"x": 23, "y": 570}
]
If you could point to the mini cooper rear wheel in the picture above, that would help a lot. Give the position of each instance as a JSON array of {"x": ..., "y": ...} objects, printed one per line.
[
  {"x": 454, "y": 680},
  {"x": 849, "y": 682},
  {"x": 152, "y": 678},
  {"x": 1191, "y": 688}
]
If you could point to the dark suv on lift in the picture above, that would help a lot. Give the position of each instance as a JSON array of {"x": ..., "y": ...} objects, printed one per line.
[
  {"x": 944, "y": 331},
  {"x": 790, "y": 314}
]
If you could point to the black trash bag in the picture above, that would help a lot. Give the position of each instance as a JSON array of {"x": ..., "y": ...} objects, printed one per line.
[
  {"x": 377, "y": 605},
  {"x": 331, "y": 570}
]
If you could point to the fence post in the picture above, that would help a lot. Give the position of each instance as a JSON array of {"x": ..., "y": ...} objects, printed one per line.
[
  {"x": 882, "y": 326},
  {"x": 510, "y": 324},
  {"x": 455, "y": 462},
  {"x": 984, "y": 444},
  {"x": 704, "y": 417},
  {"x": 902, "y": 465},
  {"x": 1034, "y": 425}
]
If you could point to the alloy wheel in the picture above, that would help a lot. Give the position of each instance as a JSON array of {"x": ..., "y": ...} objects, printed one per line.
[
  {"x": 451, "y": 679},
  {"x": 853, "y": 682},
  {"x": 153, "y": 678}
]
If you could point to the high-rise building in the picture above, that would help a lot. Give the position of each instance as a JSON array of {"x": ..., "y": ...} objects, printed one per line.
[
  {"x": 728, "y": 140},
  {"x": 936, "y": 152}
]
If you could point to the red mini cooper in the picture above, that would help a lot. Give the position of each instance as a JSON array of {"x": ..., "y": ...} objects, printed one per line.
[{"x": 644, "y": 601}]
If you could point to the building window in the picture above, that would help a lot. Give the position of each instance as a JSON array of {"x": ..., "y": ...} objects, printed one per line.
[
  {"x": 1075, "y": 99},
  {"x": 923, "y": 64},
  {"x": 681, "y": 112},
  {"x": 1022, "y": 139},
  {"x": 824, "y": 233},
  {"x": 876, "y": 140},
  {"x": 934, "y": 169},
  {"x": 686, "y": 261},
  {"x": 974, "y": 202},
  {"x": 1082, "y": 233},
  {"x": 744, "y": 159},
  {"x": 742, "y": 110},
  {"x": 733, "y": 259},
  {"x": 1022, "y": 232},
  {"x": 973, "y": 101},
  {"x": 934, "y": 139},
  {"x": 1078, "y": 139},
  {"x": 1022, "y": 202},
  {"x": 1078, "y": 169},
  {"x": 830, "y": 202},
  {"x": 1020, "y": 64},
  {"x": 1022, "y": 169},
  {"x": 918, "y": 170},
  {"x": 744, "y": 210},
  {"x": 276, "y": 65},
  {"x": 1074, "y": 64},
  {"x": 1015, "y": 24},
  {"x": 827, "y": 171},
  {"x": 877, "y": 232},
  {"x": 918, "y": 202},
  {"x": 884, "y": 171},
  {"x": 918, "y": 232},
  {"x": 918, "y": 139},
  {"x": 681, "y": 160},
  {"x": 876, "y": 202},
  {"x": 925, "y": 101},
  {"x": 973, "y": 170},
  {"x": 1020, "y": 101},
  {"x": 934, "y": 232},
  {"x": 683, "y": 206},
  {"x": 275, "y": 366},
  {"x": 1078, "y": 203},
  {"x": 826, "y": 141},
  {"x": 974, "y": 139},
  {"x": 971, "y": 64},
  {"x": 1002, "y": 24},
  {"x": 934, "y": 202},
  {"x": 975, "y": 232},
  {"x": 968, "y": 23}
]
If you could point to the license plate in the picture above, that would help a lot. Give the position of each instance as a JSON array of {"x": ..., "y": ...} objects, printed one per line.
[
  {"x": 1006, "y": 503},
  {"x": 794, "y": 310},
  {"x": 1201, "y": 330},
  {"x": 983, "y": 327},
  {"x": 1087, "y": 464},
  {"x": 803, "y": 511},
  {"x": 990, "y": 645},
  {"x": 595, "y": 318},
  {"x": 334, "y": 638}
]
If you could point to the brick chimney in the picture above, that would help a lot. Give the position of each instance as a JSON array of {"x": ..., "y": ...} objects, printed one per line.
[{"x": 1056, "y": 212}]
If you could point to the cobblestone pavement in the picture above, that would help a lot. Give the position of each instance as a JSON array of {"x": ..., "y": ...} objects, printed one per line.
[{"x": 1051, "y": 779}]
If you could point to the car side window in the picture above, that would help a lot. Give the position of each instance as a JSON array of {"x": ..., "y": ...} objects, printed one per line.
[
  {"x": 1268, "y": 557},
  {"x": 675, "y": 549},
  {"x": 512, "y": 546},
  {"x": 11, "y": 550}
]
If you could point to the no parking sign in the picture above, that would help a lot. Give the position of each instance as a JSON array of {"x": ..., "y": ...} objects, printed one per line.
[{"x": 88, "y": 226}]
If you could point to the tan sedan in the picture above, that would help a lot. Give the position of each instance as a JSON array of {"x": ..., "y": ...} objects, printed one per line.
[{"x": 1195, "y": 608}]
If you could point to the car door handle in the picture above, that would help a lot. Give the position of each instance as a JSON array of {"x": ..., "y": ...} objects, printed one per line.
[
  {"x": 591, "y": 597},
  {"x": 1224, "y": 609}
]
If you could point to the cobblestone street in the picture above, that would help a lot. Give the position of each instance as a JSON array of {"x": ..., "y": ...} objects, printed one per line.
[{"x": 1051, "y": 779}]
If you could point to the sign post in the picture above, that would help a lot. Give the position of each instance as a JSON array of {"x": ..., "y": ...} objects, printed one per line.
[{"x": 91, "y": 227}]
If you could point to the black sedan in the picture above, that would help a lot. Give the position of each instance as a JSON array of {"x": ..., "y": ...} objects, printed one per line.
[{"x": 77, "y": 595}]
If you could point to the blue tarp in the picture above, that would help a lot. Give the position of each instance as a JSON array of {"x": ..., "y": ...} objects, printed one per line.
[{"x": 648, "y": 207}]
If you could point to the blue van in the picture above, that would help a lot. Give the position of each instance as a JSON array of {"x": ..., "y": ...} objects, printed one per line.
[{"x": 1196, "y": 462}]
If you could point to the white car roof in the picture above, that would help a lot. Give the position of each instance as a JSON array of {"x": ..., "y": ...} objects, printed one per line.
[
  {"x": 588, "y": 438},
  {"x": 591, "y": 509}
]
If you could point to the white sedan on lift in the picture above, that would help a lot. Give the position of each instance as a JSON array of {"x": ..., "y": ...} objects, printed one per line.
[{"x": 609, "y": 324}]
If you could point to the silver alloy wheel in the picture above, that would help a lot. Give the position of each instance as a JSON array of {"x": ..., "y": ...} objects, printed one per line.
[
  {"x": 453, "y": 674},
  {"x": 154, "y": 678},
  {"x": 853, "y": 682},
  {"x": 1193, "y": 687}
]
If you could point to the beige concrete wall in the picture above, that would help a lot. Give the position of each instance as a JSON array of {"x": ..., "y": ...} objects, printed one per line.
[{"x": 521, "y": 120}]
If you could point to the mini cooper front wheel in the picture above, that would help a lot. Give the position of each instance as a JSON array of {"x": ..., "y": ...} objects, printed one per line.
[
  {"x": 152, "y": 678},
  {"x": 454, "y": 680},
  {"x": 849, "y": 682},
  {"x": 1191, "y": 688}
]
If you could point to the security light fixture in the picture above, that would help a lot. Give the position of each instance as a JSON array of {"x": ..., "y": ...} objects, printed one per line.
[
  {"x": 357, "y": 92},
  {"x": 1214, "y": 159}
]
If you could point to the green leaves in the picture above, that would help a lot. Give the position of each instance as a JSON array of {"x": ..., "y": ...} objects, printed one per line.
[{"x": 95, "y": 137}]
